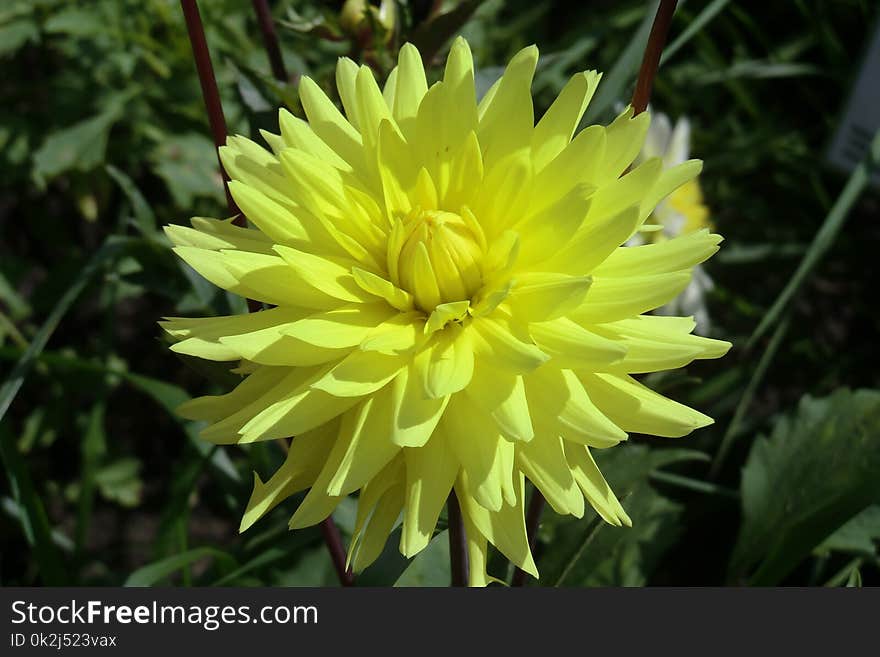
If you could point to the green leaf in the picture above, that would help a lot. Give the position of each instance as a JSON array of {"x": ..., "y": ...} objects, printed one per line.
[
  {"x": 159, "y": 570},
  {"x": 120, "y": 482},
  {"x": 188, "y": 165},
  {"x": 815, "y": 472},
  {"x": 79, "y": 147},
  {"x": 858, "y": 536},
  {"x": 16, "y": 34},
  {"x": 76, "y": 22},
  {"x": 430, "y": 567}
]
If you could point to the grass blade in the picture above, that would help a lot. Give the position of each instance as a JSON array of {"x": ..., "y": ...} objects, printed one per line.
[
  {"x": 157, "y": 571},
  {"x": 32, "y": 513},
  {"x": 13, "y": 383},
  {"x": 709, "y": 12},
  {"x": 590, "y": 534},
  {"x": 825, "y": 237},
  {"x": 748, "y": 395}
]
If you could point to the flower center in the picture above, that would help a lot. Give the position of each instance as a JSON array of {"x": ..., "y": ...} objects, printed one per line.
[{"x": 440, "y": 258}]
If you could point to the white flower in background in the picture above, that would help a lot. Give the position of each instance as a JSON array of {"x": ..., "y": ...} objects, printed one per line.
[{"x": 682, "y": 212}]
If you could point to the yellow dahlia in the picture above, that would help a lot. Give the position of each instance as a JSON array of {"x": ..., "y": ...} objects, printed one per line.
[{"x": 452, "y": 305}]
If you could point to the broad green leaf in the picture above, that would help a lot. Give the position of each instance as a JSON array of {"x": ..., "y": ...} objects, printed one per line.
[
  {"x": 861, "y": 535},
  {"x": 79, "y": 147},
  {"x": 815, "y": 472},
  {"x": 188, "y": 165},
  {"x": 16, "y": 34},
  {"x": 76, "y": 22},
  {"x": 120, "y": 481},
  {"x": 430, "y": 567}
]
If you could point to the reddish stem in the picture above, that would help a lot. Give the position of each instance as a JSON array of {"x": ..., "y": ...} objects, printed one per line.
[
  {"x": 210, "y": 93},
  {"x": 533, "y": 520},
  {"x": 651, "y": 58},
  {"x": 270, "y": 40},
  {"x": 333, "y": 539}
]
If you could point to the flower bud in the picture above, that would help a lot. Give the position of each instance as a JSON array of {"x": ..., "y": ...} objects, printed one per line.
[
  {"x": 354, "y": 21},
  {"x": 440, "y": 259}
]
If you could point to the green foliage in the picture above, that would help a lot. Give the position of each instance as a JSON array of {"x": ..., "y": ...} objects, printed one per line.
[
  {"x": 590, "y": 553},
  {"x": 813, "y": 474}
]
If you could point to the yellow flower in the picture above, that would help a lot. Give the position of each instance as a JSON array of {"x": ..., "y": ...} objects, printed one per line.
[{"x": 452, "y": 305}]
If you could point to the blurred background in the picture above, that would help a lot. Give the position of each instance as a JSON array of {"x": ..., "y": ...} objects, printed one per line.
[{"x": 104, "y": 138}]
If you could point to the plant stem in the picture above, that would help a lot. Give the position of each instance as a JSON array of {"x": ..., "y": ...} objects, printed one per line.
[
  {"x": 210, "y": 93},
  {"x": 333, "y": 539},
  {"x": 270, "y": 40},
  {"x": 533, "y": 519},
  {"x": 651, "y": 59},
  {"x": 458, "y": 559}
]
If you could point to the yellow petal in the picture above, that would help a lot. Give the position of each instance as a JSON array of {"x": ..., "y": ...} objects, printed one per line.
[
  {"x": 572, "y": 346},
  {"x": 360, "y": 373},
  {"x": 430, "y": 473},
  {"x": 543, "y": 461},
  {"x": 304, "y": 461},
  {"x": 505, "y": 529},
  {"x": 502, "y": 395},
  {"x": 655, "y": 343},
  {"x": 329, "y": 124},
  {"x": 560, "y": 405},
  {"x": 299, "y": 134},
  {"x": 411, "y": 88},
  {"x": 506, "y": 344},
  {"x": 542, "y": 296},
  {"x": 595, "y": 488},
  {"x": 365, "y": 442},
  {"x": 480, "y": 449},
  {"x": 446, "y": 364},
  {"x": 330, "y": 276},
  {"x": 634, "y": 407},
  {"x": 556, "y": 127},
  {"x": 414, "y": 416},
  {"x": 611, "y": 298},
  {"x": 508, "y": 121},
  {"x": 344, "y": 327},
  {"x": 663, "y": 257}
]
